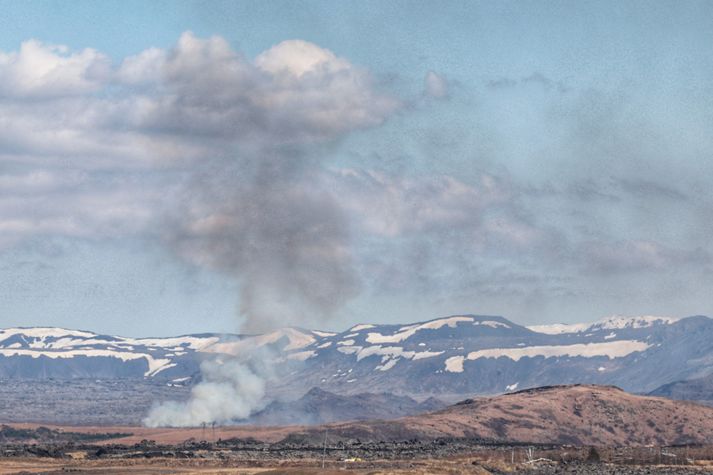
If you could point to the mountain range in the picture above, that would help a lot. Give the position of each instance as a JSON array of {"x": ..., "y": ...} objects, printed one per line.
[{"x": 446, "y": 358}]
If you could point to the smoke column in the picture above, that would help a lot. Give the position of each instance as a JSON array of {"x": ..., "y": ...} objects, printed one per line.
[
  {"x": 286, "y": 240},
  {"x": 277, "y": 231},
  {"x": 229, "y": 390},
  {"x": 260, "y": 210}
]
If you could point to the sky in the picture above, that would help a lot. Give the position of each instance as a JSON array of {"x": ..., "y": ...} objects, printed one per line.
[{"x": 186, "y": 166}]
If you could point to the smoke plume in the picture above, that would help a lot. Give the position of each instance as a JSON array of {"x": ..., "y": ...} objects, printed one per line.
[
  {"x": 278, "y": 231},
  {"x": 259, "y": 210},
  {"x": 230, "y": 390}
]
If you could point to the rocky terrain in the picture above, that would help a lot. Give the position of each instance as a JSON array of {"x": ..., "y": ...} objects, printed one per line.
[
  {"x": 247, "y": 456},
  {"x": 84, "y": 401},
  {"x": 318, "y": 407},
  {"x": 126, "y": 402},
  {"x": 576, "y": 429},
  {"x": 698, "y": 389},
  {"x": 577, "y": 415}
]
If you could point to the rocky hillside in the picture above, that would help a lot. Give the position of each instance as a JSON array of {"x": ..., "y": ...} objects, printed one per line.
[
  {"x": 576, "y": 414},
  {"x": 697, "y": 389},
  {"x": 318, "y": 407}
]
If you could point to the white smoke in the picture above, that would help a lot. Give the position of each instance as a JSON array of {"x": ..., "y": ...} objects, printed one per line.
[{"x": 230, "y": 390}]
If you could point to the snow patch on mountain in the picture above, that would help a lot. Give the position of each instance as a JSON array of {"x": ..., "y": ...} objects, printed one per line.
[
  {"x": 612, "y": 349},
  {"x": 408, "y": 331},
  {"x": 454, "y": 364},
  {"x": 302, "y": 355},
  {"x": 154, "y": 364},
  {"x": 615, "y": 322},
  {"x": 559, "y": 328},
  {"x": 323, "y": 334},
  {"x": 419, "y": 355},
  {"x": 296, "y": 340},
  {"x": 45, "y": 332}
]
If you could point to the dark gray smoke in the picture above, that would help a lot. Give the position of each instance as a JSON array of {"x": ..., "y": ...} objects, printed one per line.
[
  {"x": 275, "y": 229},
  {"x": 286, "y": 239}
]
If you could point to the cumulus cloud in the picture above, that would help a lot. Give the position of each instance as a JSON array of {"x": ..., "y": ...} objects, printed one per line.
[
  {"x": 168, "y": 110},
  {"x": 295, "y": 92},
  {"x": 42, "y": 71}
]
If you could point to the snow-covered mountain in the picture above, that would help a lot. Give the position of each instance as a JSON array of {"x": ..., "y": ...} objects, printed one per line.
[
  {"x": 39, "y": 352},
  {"x": 464, "y": 354}
]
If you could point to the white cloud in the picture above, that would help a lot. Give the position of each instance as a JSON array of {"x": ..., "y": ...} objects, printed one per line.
[
  {"x": 296, "y": 92},
  {"x": 45, "y": 71},
  {"x": 74, "y": 128},
  {"x": 297, "y": 58},
  {"x": 390, "y": 205},
  {"x": 637, "y": 255}
]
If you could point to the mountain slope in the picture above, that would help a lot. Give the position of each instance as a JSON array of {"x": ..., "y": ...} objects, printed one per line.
[
  {"x": 447, "y": 357},
  {"x": 41, "y": 353},
  {"x": 319, "y": 407},
  {"x": 471, "y": 354},
  {"x": 574, "y": 414},
  {"x": 697, "y": 389},
  {"x": 578, "y": 414}
]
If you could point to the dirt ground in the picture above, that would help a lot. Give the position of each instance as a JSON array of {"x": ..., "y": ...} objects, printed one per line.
[
  {"x": 451, "y": 466},
  {"x": 171, "y": 466}
]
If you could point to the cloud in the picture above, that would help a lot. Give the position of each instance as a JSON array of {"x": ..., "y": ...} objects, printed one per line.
[
  {"x": 389, "y": 205},
  {"x": 74, "y": 203},
  {"x": 536, "y": 78},
  {"x": 293, "y": 93},
  {"x": 610, "y": 258},
  {"x": 436, "y": 86},
  {"x": 231, "y": 162},
  {"x": 41, "y": 71},
  {"x": 163, "y": 107},
  {"x": 71, "y": 115},
  {"x": 437, "y": 234}
]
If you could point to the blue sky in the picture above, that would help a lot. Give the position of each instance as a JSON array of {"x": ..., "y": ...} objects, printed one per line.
[{"x": 545, "y": 161}]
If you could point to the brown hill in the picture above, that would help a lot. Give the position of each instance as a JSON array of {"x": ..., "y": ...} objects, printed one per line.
[{"x": 578, "y": 414}]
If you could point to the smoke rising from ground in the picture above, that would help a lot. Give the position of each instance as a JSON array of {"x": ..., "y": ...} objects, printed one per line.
[
  {"x": 231, "y": 389},
  {"x": 259, "y": 209}
]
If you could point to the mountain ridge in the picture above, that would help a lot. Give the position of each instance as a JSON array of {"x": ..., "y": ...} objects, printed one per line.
[{"x": 442, "y": 357}]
